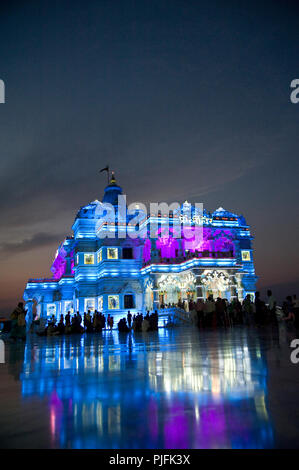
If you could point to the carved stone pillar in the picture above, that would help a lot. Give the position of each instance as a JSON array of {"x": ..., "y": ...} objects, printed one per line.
[
  {"x": 240, "y": 288},
  {"x": 155, "y": 293},
  {"x": 233, "y": 292},
  {"x": 199, "y": 286}
]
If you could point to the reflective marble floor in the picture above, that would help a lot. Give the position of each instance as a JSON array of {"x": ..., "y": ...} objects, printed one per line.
[{"x": 177, "y": 388}]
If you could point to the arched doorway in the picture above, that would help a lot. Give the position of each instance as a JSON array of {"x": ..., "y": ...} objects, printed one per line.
[
  {"x": 175, "y": 287},
  {"x": 217, "y": 283}
]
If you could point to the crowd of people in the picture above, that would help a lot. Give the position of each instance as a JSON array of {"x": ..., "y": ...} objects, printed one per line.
[
  {"x": 290, "y": 308},
  {"x": 204, "y": 314},
  {"x": 148, "y": 322},
  {"x": 94, "y": 323},
  {"x": 220, "y": 312}
]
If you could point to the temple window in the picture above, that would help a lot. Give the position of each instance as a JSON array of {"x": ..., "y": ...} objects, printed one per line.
[
  {"x": 68, "y": 306},
  {"x": 89, "y": 304},
  {"x": 88, "y": 258},
  {"x": 127, "y": 253},
  {"x": 51, "y": 310},
  {"x": 245, "y": 255},
  {"x": 129, "y": 301},
  {"x": 112, "y": 253},
  {"x": 100, "y": 255},
  {"x": 113, "y": 302}
]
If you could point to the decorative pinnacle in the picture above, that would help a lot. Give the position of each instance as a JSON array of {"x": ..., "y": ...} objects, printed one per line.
[{"x": 112, "y": 180}]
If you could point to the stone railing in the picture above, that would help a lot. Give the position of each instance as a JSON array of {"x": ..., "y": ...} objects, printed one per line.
[{"x": 174, "y": 315}]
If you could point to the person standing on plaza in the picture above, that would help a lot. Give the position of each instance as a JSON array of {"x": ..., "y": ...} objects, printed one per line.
[
  {"x": 129, "y": 319},
  {"x": 272, "y": 307},
  {"x": 259, "y": 310},
  {"x": 296, "y": 310},
  {"x": 210, "y": 311},
  {"x": 248, "y": 310},
  {"x": 220, "y": 309},
  {"x": 199, "y": 307},
  {"x": 18, "y": 328}
]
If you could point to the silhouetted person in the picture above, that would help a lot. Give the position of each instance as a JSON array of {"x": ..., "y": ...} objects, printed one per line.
[
  {"x": 296, "y": 310},
  {"x": 129, "y": 317},
  {"x": 18, "y": 323},
  {"x": 259, "y": 310},
  {"x": 60, "y": 326},
  {"x": 271, "y": 307}
]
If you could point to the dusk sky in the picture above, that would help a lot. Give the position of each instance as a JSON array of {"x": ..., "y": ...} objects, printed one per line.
[{"x": 183, "y": 99}]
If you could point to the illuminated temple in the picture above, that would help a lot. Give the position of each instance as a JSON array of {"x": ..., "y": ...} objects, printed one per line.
[{"x": 93, "y": 270}]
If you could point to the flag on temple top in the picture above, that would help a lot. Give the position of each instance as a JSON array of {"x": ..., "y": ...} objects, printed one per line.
[{"x": 105, "y": 169}]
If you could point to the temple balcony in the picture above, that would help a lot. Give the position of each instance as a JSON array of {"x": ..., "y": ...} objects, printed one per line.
[{"x": 191, "y": 255}]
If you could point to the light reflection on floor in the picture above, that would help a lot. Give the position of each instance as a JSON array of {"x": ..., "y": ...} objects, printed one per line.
[{"x": 172, "y": 389}]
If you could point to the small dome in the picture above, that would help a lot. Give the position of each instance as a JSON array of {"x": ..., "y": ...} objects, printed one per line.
[
  {"x": 88, "y": 211},
  {"x": 242, "y": 220},
  {"x": 220, "y": 212}
]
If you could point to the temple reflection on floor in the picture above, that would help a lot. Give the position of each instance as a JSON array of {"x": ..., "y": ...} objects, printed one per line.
[{"x": 161, "y": 390}]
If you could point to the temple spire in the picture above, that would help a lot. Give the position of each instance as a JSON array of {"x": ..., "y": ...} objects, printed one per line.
[
  {"x": 112, "y": 190},
  {"x": 112, "y": 179}
]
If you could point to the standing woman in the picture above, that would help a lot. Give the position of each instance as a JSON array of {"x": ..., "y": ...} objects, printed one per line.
[{"x": 18, "y": 325}]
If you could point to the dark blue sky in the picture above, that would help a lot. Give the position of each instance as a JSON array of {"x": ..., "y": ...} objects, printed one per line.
[{"x": 184, "y": 99}]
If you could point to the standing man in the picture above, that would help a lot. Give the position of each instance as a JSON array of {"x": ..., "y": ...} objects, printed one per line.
[
  {"x": 129, "y": 318},
  {"x": 259, "y": 310},
  {"x": 210, "y": 311},
  {"x": 296, "y": 310},
  {"x": 248, "y": 310},
  {"x": 272, "y": 307}
]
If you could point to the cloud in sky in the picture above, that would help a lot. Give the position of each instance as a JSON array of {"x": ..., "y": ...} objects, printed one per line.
[{"x": 39, "y": 240}]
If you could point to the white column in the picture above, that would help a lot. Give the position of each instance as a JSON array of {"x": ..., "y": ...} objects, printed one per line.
[{"x": 29, "y": 314}]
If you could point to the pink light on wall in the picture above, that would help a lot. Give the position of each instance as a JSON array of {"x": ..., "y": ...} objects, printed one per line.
[
  {"x": 72, "y": 262},
  {"x": 219, "y": 240},
  {"x": 147, "y": 250},
  {"x": 213, "y": 240},
  {"x": 63, "y": 263},
  {"x": 168, "y": 247},
  {"x": 58, "y": 266}
]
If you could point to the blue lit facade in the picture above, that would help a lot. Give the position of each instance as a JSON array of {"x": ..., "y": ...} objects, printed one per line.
[{"x": 101, "y": 267}]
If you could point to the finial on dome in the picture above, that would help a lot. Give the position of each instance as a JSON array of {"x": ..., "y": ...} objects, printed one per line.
[{"x": 112, "y": 179}]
